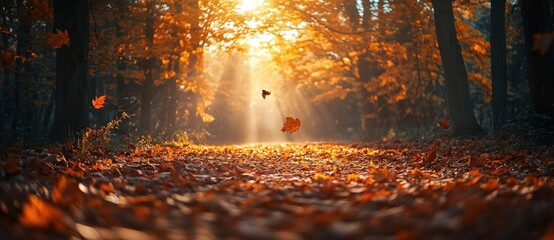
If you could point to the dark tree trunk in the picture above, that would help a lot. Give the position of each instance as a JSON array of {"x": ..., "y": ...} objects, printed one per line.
[
  {"x": 457, "y": 86},
  {"x": 22, "y": 67},
  {"x": 120, "y": 62},
  {"x": 352, "y": 12},
  {"x": 5, "y": 89},
  {"x": 148, "y": 84},
  {"x": 537, "y": 19},
  {"x": 366, "y": 19},
  {"x": 71, "y": 99},
  {"x": 172, "y": 98},
  {"x": 498, "y": 64},
  {"x": 48, "y": 113}
]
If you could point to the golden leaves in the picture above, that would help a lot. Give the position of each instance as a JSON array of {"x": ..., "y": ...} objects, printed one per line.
[
  {"x": 98, "y": 102},
  {"x": 291, "y": 125},
  {"x": 58, "y": 39}
]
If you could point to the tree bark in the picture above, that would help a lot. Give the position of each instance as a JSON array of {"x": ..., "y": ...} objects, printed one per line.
[
  {"x": 71, "y": 99},
  {"x": 457, "y": 87},
  {"x": 148, "y": 84},
  {"x": 537, "y": 19},
  {"x": 498, "y": 64}
]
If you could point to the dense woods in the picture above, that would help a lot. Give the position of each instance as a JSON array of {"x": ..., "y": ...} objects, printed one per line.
[{"x": 190, "y": 69}]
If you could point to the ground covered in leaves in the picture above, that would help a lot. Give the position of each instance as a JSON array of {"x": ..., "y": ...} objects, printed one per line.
[{"x": 461, "y": 189}]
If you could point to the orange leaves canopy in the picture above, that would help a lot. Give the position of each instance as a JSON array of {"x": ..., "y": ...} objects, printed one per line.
[
  {"x": 98, "y": 102},
  {"x": 58, "y": 39},
  {"x": 291, "y": 125}
]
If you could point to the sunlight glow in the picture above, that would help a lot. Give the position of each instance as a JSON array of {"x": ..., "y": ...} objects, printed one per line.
[{"x": 249, "y": 5}]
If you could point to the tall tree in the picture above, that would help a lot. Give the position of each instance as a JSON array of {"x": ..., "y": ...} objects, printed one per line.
[
  {"x": 498, "y": 63},
  {"x": 537, "y": 19},
  {"x": 71, "y": 98},
  {"x": 457, "y": 86},
  {"x": 148, "y": 84}
]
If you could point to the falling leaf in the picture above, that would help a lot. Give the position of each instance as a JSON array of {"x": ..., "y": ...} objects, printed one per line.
[
  {"x": 58, "y": 39},
  {"x": 12, "y": 165},
  {"x": 444, "y": 123},
  {"x": 7, "y": 58},
  {"x": 265, "y": 93},
  {"x": 98, "y": 102},
  {"x": 541, "y": 42},
  {"x": 431, "y": 155},
  {"x": 291, "y": 125}
]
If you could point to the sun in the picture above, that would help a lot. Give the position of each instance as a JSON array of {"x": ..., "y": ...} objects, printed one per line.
[{"x": 249, "y": 5}]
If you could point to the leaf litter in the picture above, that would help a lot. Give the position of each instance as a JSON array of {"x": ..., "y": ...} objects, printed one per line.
[{"x": 405, "y": 190}]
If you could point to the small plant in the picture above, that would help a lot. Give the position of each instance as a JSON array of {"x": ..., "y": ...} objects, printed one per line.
[{"x": 97, "y": 139}]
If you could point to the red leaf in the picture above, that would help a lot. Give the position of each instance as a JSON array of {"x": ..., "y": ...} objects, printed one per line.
[
  {"x": 58, "y": 39},
  {"x": 444, "y": 123},
  {"x": 7, "y": 58},
  {"x": 541, "y": 42}
]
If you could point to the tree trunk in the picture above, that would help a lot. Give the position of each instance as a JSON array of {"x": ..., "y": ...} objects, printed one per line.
[
  {"x": 457, "y": 86},
  {"x": 71, "y": 99},
  {"x": 498, "y": 64},
  {"x": 172, "y": 98},
  {"x": 4, "y": 110},
  {"x": 195, "y": 65},
  {"x": 537, "y": 19},
  {"x": 120, "y": 62},
  {"x": 148, "y": 84}
]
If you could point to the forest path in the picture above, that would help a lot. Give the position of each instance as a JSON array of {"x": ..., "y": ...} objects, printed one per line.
[{"x": 404, "y": 190}]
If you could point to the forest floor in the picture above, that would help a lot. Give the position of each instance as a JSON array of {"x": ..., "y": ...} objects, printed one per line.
[{"x": 445, "y": 188}]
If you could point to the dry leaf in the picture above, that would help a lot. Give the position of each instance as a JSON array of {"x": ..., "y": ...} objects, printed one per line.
[
  {"x": 7, "y": 58},
  {"x": 40, "y": 214},
  {"x": 58, "y": 39},
  {"x": 431, "y": 155},
  {"x": 99, "y": 101},
  {"x": 541, "y": 42},
  {"x": 291, "y": 125},
  {"x": 444, "y": 123},
  {"x": 265, "y": 93},
  {"x": 12, "y": 166}
]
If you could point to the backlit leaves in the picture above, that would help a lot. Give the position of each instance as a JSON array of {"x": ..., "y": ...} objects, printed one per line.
[
  {"x": 291, "y": 125},
  {"x": 59, "y": 38},
  {"x": 98, "y": 102}
]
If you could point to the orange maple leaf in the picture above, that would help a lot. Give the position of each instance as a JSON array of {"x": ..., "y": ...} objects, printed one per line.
[
  {"x": 541, "y": 42},
  {"x": 99, "y": 101},
  {"x": 58, "y": 39},
  {"x": 444, "y": 123},
  {"x": 291, "y": 125}
]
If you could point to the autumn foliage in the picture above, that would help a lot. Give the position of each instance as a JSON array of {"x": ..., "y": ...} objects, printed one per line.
[{"x": 429, "y": 189}]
